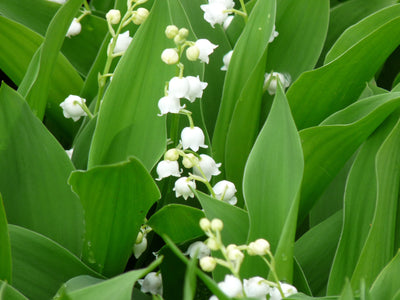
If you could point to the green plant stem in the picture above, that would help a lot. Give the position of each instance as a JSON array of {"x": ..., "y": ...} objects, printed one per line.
[{"x": 244, "y": 10}]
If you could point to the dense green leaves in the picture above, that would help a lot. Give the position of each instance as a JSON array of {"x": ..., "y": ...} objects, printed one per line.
[
  {"x": 7, "y": 292},
  {"x": 40, "y": 265},
  {"x": 5, "y": 249},
  {"x": 271, "y": 183},
  {"x": 34, "y": 189},
  {"x": 116, "y": 199}
]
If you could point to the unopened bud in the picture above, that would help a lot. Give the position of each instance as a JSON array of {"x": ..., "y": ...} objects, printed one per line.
[
  {"x": 140, "y": 15},
  {"x": 171, "y": 31},
  {"x": 233, "y": 253},
  {"x": 208, "y": 263},
  {"x": 183, "y": 33},
  {"x": 139, "y": 238},
  {"x": 212, "y": 244},
  {"x": 113, "y": 16},
  {"x": 259, "y": 247},
  {"x": 190, "y": 160},
  {"x": 205, "y": 224},
  {"x": 171, "y": 154},
  {"x": 192, "y": 53},
  {"x": 217, "y": 225},
  {"x": 170, "y": 56}
]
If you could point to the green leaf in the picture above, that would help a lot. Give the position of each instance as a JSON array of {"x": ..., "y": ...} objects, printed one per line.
[
  {"x": 5, "y": 249},
  {"x": 116, "y": 199},
  {"x": 347, "y": 128},
  {"x": 40, "y": 265},
  {"x": 315, "y": 251},
  {"x": 35, "y": 88},
  {"x": 347, "y": 292},
  {"x": 386, "y": 285},
  {"x": 34, "y": 189},
  {"x": 7, "y": 292},
  {"x": 117, "y": 288},
  {"x": 82, "y": 144},
  {"x": 379, "y": 245},
  {"x": 361, "y": 188},
  {"x": 185, "y": 225},
  {"x": 128, "y": 123},
  {"x": 319, "y": 93},
  {"x": 271, "y": 184},
  {"x": 291, "y": 52},
  {"x": 248, "y": 51}
]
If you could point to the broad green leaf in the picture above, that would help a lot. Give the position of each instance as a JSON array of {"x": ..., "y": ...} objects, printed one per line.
[
  {"x": 361, "y": 188},
  {"x": 79, "y": 282},
  {"x": 319, "y": 93},
  {"x": 271, "y": 184},
  {"x": 348, "y": 13},
  {"x": 347, "y": 292},
  {"x": 386, "y": 285},
  {"x": 117, "y": 288},
  {"x": 249, "y": 50},
  {"x": 299, "y": 278},
  {"x": 40, "y": 265},
  {"x": 7, "y": 292},
  {"x": 128, "y": 123},
  {"x": 116, "y": 199},
  {"x": 35, "y": 88},
  {"x": 185, "y": 225},
  {"x": 5, "y": 250},
  {"x": 34, "y": 188},
  {"x": 315, "y": 251},
  {"x": 379, "y": 245},
  {"x": 294, "y": 53},
  {"x": 347, "y": 128},
  {"x": 18, "y": 45}
]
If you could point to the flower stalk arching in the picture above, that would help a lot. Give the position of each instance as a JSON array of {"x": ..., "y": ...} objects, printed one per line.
[{"x": 85, "y": 109}]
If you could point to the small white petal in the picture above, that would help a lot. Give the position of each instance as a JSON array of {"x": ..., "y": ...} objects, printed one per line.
[
  {"x": 273, "y": 84},
  {"x": 231, "y": 286},
  {"x": 74, "y": 29},
  {"x": 70, "y": 152},
  {"x": 166, "y": 168},
  {"x": 192, "y": 138},
  {"x": 206, "y": 48},
  {"x": 71, "y": 108},
  {"x": 152, "y": 283},
  {"x": 138, "y": 249},
  {"x": 256, "y": 287},
  {"x": 169, "y": 104},
  {"x": 226, "y": 59},
  {"x": 182, "y": 188},
  {"x": 178, "y": 87},
  {"x": 274, "y": 34},
  {"x": 196, "y": 88},
  {"x": 227, "y": 22},
  {"x": 199, "y": 247},
  {"x": 287, "y": 290},
  {"x": 123, "y": 42},
  {"x": 208, "y": 166}
]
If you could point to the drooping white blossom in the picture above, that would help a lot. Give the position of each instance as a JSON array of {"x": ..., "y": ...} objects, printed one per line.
[
  {"x": 206, "y": 48},
  {"x": 226, "y": 59},
  {"x": 182, "y": 188},
  {"x": 225, "y": 191},
  {"x": 169, "y": 104},
  {"x": 71, "y": 107},
  {"x": 198, "y": 247},
  {"x": 256, "y": 287},
  {"x": 152, "y": 283},
  {"x": 123, "y": 42},
  {"x": 287, "y": 290},
  {"x": 196, "y": 88},
  {"x": 192, "y": 138},
  {"x": 140, "y": 247},
  {"x": 271, "y": 84},
  {"x": 166, "y": 168},
  {"x": 178, "y": 87},
  {"x": 74, "y": 29},
  {"x": 208, "y": 166},
  {"x": 214, "y": 13},
  {"x": 231, "y": 286}
]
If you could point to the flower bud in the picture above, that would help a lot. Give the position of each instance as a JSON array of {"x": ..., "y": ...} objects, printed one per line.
[
  {"x": 140, "y": 247},
  {"x": 140, "y": 15},
  {"x": 74, "y": 29},
  {"x": 171, "y": 154},
  {"x": 212, "y": 244},
  {"x": 258, "y": 247},
  {"x": 171, "y": 31},
  {"x": 217, "y": 225},
  {"x": 205, "y": 224},
  {"x": 208, "y": 263},
  {"x": 139, "y": 238},
  {"x": 183, "y": 33},
  {"x": 234, "y": 254},
  {"x": 113, "y": 16},
  {"x": 192, "y": 53},
  {"x": 190, "y": 160},
  {"x": 170, "y": 56}
]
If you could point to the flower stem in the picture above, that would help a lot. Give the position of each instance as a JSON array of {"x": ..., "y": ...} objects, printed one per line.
[
  {"x": 85, "y": 109},
  {"x": 244, "y": 10}
]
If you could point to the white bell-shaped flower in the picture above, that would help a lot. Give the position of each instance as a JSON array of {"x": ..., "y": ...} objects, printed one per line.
[
  {"x": 256, "y": 287},
  {"x": 169, "y": 104},
  {"x": 206, "y": 48},
  {"x": 182, "y": 188},
  {"x": 208, "y": 166},
  {"x": 225, "y": 191},
  {"x": 214, "y": 13},
  {"x": 231, "y": 286},
  {"x": 274, "y": 34},
  {"x": 140, "y": 247},
  {"x": 192, "y": 138},
  {"x": 200, "y": 248},
  {"x": 74, "y": 29},
  {"x": 178, "y": 87},
  {"x": 270, "y": 82},
  {"x": 287, "y": 290},
  {"x": 196, "y": 88},
  {"x": 71, "y": 107},
  {"x": 226, "y": 59},
  {"x": 166, "y": 168},
  {"x": 123, "y": 42},
  {"x": 152, "y": 283}
]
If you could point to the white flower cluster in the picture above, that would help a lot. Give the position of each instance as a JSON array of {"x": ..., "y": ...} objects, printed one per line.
[
  {"x": 254, "y": 287},
  {"x": 217, "y": 12}
]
